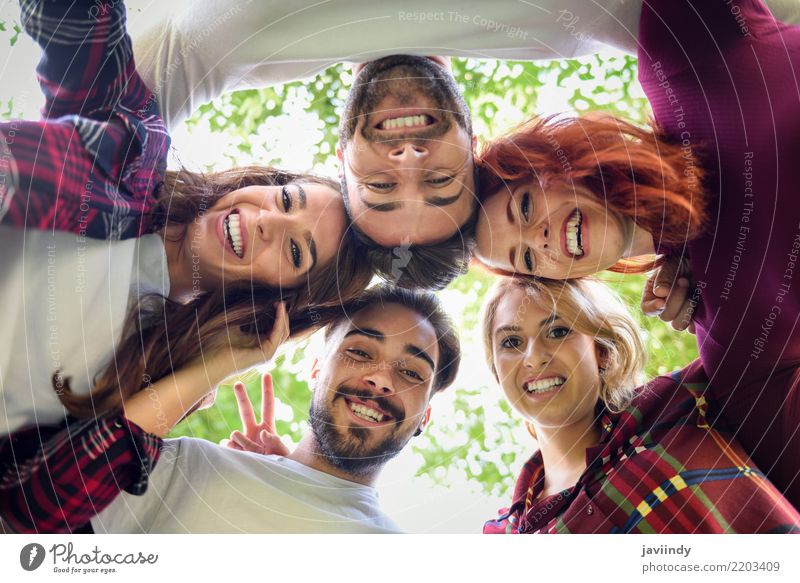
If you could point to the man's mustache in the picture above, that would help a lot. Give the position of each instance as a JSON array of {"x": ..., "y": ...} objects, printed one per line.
[{"x": 382, "y": 402}]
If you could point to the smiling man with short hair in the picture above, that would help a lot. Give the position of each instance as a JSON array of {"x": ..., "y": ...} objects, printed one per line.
[{"x": 383, "y": 361}]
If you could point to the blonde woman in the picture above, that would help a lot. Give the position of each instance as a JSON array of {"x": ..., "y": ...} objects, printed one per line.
[{"x": 613, "y": 457}]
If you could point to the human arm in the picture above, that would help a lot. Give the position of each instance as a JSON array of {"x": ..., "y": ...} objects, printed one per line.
[
  {"x": 55, "y": 479},
  {"x": 158, "y": 407},
  {"x": 94, "y": 162},
  {"x": 257, "y": 437}
]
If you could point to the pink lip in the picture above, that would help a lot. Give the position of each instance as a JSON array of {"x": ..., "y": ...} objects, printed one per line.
[{"x": 584, "y": 237}]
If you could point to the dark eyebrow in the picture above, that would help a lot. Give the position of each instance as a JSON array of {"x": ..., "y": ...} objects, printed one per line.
[
  {"x": 445, "y": 200},
  {"x": 302, "y": 194},
  {"x": 381, "y": 207},
  {"x": 312, "y": 247},
  {"x": 368, "y": 332},
  {"x": 417, "y": 352}
]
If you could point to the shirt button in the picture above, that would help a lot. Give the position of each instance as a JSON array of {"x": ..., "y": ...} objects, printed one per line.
[{"x": 589, "y": 510}]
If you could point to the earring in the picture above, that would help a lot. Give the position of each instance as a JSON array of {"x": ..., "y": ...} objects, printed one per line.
[{"x": 602, "y": 371}]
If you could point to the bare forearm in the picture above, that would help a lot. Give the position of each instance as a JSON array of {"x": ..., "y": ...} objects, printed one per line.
[{"x": 158, "y": 407}]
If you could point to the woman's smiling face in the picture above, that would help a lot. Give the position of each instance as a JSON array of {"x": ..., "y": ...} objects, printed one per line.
[
  {"x": 548, "y": 371},
  {"x": 270, "y": 235},
  {"x": 558, "y": 233}
]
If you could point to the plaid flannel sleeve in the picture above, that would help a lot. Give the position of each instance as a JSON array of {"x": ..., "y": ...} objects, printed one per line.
[
  {"x": 94, "y": 161},
  {"x": 55, "y": 479}
]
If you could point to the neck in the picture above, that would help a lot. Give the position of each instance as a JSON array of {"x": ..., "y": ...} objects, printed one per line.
[
  {"x": 180, "y": 274},
  {"x": 308, "y": 454},
  {"x": 640, "y": 241},
  {"x": 564, "y": 452}
]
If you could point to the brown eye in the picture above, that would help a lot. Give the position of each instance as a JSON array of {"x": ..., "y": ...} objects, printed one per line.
[
  {"x": 297, "y": 255},
  {"x": 287, "y": 199}
]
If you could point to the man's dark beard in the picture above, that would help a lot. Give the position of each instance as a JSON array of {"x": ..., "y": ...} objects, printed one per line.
[
  {"x": 404, "y": 77},
  {"x": 346, "y": 448}
]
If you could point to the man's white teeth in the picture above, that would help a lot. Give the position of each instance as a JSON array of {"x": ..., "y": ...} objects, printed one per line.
[
  {"x": 234, "y": 233},
  {"x": 366, "y": 412},
  {"x": 574, "y": 242},
  {"x": 410, "y": 121},
  {"x": 544, "y": 385}
]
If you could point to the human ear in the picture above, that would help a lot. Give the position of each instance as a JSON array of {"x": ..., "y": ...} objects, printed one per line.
[
  {"x": 340, "y": 157},
  {"x": 426, "y": 417}
]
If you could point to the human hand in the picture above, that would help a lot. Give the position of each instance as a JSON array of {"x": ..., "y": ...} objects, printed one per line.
[
  {"x": 234, "y": 358},
  {"x": 257, "y": 437},
  {"x": 668, "y": 294}
]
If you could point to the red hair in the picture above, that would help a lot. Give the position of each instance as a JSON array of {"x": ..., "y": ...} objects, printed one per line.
[{"x": 640, "y": 173}]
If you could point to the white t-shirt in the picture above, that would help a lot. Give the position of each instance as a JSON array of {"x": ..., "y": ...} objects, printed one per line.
[
  {"x": 190, "y": 54},
  {"x": 64, "y": 299},
  {"x": 200, "y": 487}
]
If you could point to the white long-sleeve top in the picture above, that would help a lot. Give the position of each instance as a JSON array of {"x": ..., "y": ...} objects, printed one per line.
[{"x": 190, "y": 53}]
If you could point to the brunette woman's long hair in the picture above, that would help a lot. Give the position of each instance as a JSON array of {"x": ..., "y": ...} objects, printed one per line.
[
  {"x": 161, "y": 335},
  {"x": 640, "y": 173}
]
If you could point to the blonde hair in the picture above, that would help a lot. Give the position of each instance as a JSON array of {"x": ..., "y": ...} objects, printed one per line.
[{"x": 593, "y": 309}]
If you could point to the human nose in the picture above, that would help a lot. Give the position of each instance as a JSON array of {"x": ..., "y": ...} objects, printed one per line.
[
  {"x": 408, "y": 152},
  {"x": 271, "y": 226},
  {"x": 379, "y": 380},
  {"x": 537, "y": 354}
]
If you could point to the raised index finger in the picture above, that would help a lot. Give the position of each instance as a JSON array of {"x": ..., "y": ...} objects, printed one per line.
[
  {"x": 246, "y": 413},
  {"x": 267, "y": 403}
]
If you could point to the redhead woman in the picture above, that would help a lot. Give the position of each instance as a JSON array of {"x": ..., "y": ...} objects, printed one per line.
[
  {"x": 712, "y": 185},
  {"x": 613, "y": 457},
  {"x": 193, "y": 265}
]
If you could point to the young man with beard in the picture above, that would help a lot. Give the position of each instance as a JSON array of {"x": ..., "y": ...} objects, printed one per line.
[
  {"x": 383, "y": 361},
  {"x": 406, "y": 144}
]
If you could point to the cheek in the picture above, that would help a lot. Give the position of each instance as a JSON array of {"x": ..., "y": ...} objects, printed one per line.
[{"x": 506, "y": 367}]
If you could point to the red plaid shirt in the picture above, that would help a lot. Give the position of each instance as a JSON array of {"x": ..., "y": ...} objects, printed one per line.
[
  {"x": 94, "y": 162},
  {"x": 55, "y": 479},
  {"x": 660, "y": 468}
]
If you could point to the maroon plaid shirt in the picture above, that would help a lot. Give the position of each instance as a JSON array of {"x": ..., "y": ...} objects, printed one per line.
[
  {"x": 660, "y": 468},
  {"x": 54, "y": 479},
  {"x": 94, "y": 162}
]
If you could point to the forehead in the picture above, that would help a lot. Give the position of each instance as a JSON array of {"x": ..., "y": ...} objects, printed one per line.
[
  {"x": 400, "y": 326},
  {"x": 517, "y": 308}
]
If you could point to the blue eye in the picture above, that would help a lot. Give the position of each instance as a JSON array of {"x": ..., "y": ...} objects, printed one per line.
[{"x": 559, "y": 332}]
